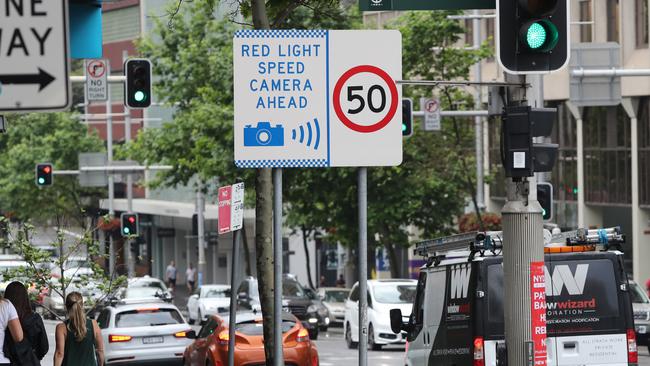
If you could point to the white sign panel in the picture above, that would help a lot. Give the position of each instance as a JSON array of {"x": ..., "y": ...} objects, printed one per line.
[
  {"x": 34, "y": 56},
  {"x": 96, "y": 80},
  {"x": 431, "y": 108},
  {"x": 237, "y": 207},
  {"x": 317, "y": 98}
]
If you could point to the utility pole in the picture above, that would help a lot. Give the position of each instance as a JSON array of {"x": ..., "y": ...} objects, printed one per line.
[
  {"x": 128, "y": 254},
  {"x": 478, "y": 122},
  {"x": 111, "y": 179},
  {"x": 523, "y": 247},
  {"x": 200, "y": 209}
]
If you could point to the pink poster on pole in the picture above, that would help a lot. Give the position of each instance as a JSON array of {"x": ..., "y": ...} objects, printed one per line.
[
  {"x": 225, "y": 201},
  {"x": 538, "y": 311}
]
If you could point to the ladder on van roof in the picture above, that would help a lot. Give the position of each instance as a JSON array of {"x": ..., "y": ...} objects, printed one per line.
[{"x": 479, "y": 241}]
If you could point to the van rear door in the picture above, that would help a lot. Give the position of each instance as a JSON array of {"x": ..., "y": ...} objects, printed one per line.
[{"x": 587, "y": 311}]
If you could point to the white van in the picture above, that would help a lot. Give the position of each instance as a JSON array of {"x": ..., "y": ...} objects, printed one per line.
[{"x": 458, "y": 313}]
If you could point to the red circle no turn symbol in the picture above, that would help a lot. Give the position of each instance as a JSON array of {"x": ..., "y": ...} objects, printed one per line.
[
  {"x": 96, "y": 69},
  {"x": 366, "y": 99}
]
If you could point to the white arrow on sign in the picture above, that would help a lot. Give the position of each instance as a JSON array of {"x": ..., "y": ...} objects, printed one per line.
[{"x": 34, "y": 56}]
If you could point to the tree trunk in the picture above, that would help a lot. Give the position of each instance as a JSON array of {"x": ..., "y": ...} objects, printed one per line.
[
  {"x": 392, "y": 257},
  {"x": 264, "y": 251},
  {"x": 247, "y": 252},
  {"x": 305, "y": 235}
]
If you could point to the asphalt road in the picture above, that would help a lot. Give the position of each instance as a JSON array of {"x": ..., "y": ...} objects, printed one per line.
[{"x": 334, "y": 352}]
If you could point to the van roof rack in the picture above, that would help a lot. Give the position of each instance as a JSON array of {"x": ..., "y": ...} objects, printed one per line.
[{"x": 480, "y": 242}]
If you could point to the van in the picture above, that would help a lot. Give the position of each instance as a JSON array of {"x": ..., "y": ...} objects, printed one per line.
[{"x": 458, "y": 312}]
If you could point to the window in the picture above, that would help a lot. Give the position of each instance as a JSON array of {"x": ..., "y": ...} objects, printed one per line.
[
  {"x": 641, "y": 23},
  {"x": 148, "y": 318},
  {"x": 644, "y": 151},
  {"x": 585, "y": 16},
  {"x": 394, "y": 293},
  {"x": 469, "y": 32},
  {"x": 354, "y": 295},
  {"x": 103, "y": 320},
  {"x": 418, "y": 306},
  {"x": 612, "y": 21}
]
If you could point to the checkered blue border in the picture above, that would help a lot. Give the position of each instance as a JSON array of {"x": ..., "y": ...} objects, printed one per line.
[
  {"x": 282, "y": 163},
  {"x": 280, "y": 33}
]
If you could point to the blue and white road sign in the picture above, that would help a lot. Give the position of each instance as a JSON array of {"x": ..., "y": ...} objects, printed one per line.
[{"x": 317, "y": 98}]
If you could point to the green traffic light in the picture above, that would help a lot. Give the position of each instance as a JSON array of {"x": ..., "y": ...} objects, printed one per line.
[
  {"x": 126, "y": 230},
  {"x": 139, "y": 96},
  {"x": 403, "y": 127},
  {"x": 41, "y": 180},
  {"x": 540, "y": 35},
  {"x": 535, "y": 36}
]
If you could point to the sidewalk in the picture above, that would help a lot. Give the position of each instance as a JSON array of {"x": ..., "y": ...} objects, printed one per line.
[{"x": 181, "y": 294}]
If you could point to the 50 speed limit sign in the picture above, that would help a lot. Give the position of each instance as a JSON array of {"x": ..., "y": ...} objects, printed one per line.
[{"x": 317, "y": 98}]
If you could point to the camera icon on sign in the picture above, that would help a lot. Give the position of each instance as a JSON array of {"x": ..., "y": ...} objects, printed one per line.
[{"x": 263, "y": 135}]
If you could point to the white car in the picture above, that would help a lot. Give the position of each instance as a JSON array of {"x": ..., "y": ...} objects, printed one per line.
[
  {"x": 383, "y": 295},
  {"x": 152, "y": 333},
  {"x": 208, "y": 300},
  {"x": 334, "y": 300}
]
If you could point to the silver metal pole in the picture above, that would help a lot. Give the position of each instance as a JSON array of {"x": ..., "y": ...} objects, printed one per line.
[
  {"x": 128, "y": 254},
  {"x": 523, "y": 245},
  {"x": 111, "y": 179},
  {"x": 200, "y": 203},
  {"x": 478, "y": 122},
  {"x": 277, "y": 268},
  {"x": 362, "y": 252},
  {"x": 234, "y": 284}
]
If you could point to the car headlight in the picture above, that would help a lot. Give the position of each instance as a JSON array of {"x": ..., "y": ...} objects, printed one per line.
[{"x": 312, "y": 309}]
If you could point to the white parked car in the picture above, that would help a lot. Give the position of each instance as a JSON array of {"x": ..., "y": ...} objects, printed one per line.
[
  {"x": 383, "y": 295},
  {"x": 208, "y": 300},
  {"x": 152, "y": 333},
  {"x": 334, "y": 300}
]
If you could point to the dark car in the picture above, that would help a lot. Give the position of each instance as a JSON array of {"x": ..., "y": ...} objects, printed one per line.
[
  {"x": 320, "y": 308},
  {"x": 294, "y": 300}
]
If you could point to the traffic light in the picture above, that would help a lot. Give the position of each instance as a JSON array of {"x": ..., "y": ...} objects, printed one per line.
[
  {"x": 407, "y": 117},
  {"x": 129, "y": 224},
  {"x": 137, "y": 87},
  {"x": 533, "y": 35},
  {"x": 545, "y": 199},
  {"x": 521, "y": 156},
  {"x": 44, "y": 174}
]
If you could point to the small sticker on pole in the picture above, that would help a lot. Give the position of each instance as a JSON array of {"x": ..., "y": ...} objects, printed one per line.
[{"x": 538, "y": 312}]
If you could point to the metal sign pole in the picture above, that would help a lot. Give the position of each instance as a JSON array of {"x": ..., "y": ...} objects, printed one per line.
[
  {"x": 200, "y": 211},
  {"x": 234, "y": 284},
  {"x": 111, "y": 179},
  {"x": 363, "y": 265},
  {"x": 128, "y": 254},
  {"x": 277, "y": 267}
]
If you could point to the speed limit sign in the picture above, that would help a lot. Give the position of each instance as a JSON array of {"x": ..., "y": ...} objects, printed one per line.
[{"x": 317, "y": 98}]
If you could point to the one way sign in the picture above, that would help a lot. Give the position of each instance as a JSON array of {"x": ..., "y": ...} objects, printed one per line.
[{"x": 34, "y": 55}]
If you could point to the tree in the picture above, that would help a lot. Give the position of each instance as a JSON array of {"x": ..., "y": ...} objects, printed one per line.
[{"x": 57, "y": 138}]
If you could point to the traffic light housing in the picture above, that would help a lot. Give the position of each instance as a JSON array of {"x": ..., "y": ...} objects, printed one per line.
[
  {"x": 44, "y": 174},
  {"x": 545, "y": 199},
  {"x": 521, "y": 156},
  {"x": 407, "y": 117},
  {"x": 137, "y": 87},
  {"x": 533, "y": 35},
  {"x": 129, "y": 224}
]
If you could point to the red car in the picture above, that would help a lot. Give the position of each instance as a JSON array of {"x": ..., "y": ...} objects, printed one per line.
[{"x": 210, "y": 345}]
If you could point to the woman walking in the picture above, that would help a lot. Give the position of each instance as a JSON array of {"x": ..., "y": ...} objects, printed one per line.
[
  {"x": 78, "y": 339},
  {"x": 36, "y": 346},
  {"x": 8, "y": 321}
]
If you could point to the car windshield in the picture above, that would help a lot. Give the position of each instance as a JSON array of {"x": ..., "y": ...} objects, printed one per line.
[
  {"x": 638, "y": 295},
  {"x": 336, "y": 296},
  {"x": 139, "y": 292},
  {"x": 254, "y": 328},
  {"x": 76, "y": 263},
  {"x": 394, "y": 293},
  {"x": 292, "y": 289},
  {"x": 147, "y": 317},
  {"x": 215, "y": 293}
]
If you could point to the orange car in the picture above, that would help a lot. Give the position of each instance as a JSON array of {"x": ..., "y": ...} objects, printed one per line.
[{"x": 210, "y": 345}]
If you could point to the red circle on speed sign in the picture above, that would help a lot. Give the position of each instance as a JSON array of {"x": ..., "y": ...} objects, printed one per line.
[{"x": 394, "y": 98}]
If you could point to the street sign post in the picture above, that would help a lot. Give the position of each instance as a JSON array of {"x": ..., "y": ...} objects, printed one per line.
[
  {"x": 34, "y": 56},
  {"x": 317, "y": 98},
  {"x": 431, "y": 109},
  {"x": 96, "y": 80}
]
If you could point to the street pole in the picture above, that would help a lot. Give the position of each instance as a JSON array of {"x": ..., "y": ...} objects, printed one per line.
[
  {"x": 234, "y": 284},
  {"x": 128, "y": 254},
  {"x": 200, "y": 208},
  {"x": 478, "y": 122},
  {"x": 277, "y": 268},
  {"x": 362, "y": 192},
  {"x": 523, "y": 245},
  {"x": 111, "y": 180}
]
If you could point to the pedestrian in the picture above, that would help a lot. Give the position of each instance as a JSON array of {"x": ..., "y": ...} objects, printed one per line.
[
  {"x": 35, "y": 344},
  {"x": 341, "y": 281},
  {"x": 9, "y": 327},
  {"x": 190, "y": 274},
  {"x": 322, "y": 283},
  {"x": 170, "y": 275},
  {"x": 78, "y": 339}
]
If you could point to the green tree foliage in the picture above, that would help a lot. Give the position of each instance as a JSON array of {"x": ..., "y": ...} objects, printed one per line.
[{"x": 56, "y": 138}]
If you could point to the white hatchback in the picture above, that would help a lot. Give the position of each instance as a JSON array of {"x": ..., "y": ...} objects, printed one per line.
[
  {"x": 152, "y": 333},
  {"x": 383, "y": 295},
  {"x": 208, "y": 300}
]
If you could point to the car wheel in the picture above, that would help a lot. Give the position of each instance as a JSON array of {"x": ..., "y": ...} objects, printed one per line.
[
  {"x": 371, "y": 340},
  {"x": 323, "y": 328},
  {"x": 348, "y": 337}
]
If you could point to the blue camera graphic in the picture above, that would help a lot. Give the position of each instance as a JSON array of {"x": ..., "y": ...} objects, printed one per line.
[{"x": 263, "y": 135}]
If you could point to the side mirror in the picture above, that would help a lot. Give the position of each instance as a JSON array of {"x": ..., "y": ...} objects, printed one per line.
[
  {"x": 195, "y": 296},
  {"x": 190, "y": 334},
  {"x": 396, "y": 323}
]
